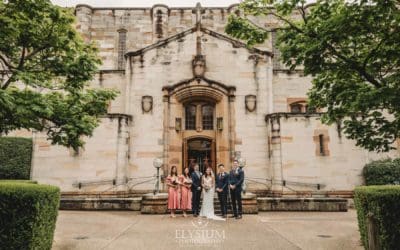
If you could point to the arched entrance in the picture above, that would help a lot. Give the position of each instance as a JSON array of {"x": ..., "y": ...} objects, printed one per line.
[
  {"x": 199, "y": 150},
  {"x": 199, "y": 120}
]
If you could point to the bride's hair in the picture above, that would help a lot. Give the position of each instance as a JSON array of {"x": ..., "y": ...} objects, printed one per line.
[{"x": 211, "y": 173}]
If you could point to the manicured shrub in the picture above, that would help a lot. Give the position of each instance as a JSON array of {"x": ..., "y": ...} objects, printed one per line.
[
  {"x": 15, "y": 157},
  {"x": 382, "y": 172},
  {"x": 19, "y": 181},
  {"x": 383, "y": 203},
  {"x": 28, "y": 214}
]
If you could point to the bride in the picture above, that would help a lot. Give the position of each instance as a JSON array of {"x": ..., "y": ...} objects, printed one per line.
[{"x": 207, "y": 208}]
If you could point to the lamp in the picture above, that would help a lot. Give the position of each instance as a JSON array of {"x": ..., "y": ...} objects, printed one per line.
[
  {"x": 220, "y": 123},
  {"x": 157, "y": 163}
]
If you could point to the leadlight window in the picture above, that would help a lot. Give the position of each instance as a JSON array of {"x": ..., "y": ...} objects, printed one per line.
[
  {"x": 190, "y": 117},
  {"x": 295, "y": 108},
  {"x": 121, "y": 48},
  {"x": 207, "y": 112},
  {"x": 321, "y": 145},
  {"x": 159, "y": 30}
]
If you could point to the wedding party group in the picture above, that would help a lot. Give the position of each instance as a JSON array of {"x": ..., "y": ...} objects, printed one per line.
[{"x": 194, "y": 191}]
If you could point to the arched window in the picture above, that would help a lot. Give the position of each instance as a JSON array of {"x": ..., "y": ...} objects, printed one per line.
[
  {"x": 295, "y": 108},
  {"x": 190, "y": 117},
  {"x": 199, "y": 115},
  {"x": 121, "y": 48},
  {"x": 321, "y": 145},
  {"x": 297, "y": 105},
  {"x": 159, "y": 30},
  {"x": 207, "y": 112}
]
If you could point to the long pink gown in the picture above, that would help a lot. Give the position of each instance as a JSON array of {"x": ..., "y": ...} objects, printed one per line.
[
  {"x": 173, "y": 194},
  {"x": 186, "y": 194}
]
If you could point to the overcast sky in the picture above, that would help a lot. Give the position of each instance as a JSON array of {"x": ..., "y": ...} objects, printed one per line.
[{"x": 144, "y": 3}]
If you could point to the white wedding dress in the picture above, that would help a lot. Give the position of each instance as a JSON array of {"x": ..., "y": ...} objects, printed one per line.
[{"x": 207, "y": 207}]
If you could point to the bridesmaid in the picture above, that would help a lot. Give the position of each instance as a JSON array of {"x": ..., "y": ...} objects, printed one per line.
[
  {"x": 173, "y": 191},
  {"x": 186, "y": 194}
]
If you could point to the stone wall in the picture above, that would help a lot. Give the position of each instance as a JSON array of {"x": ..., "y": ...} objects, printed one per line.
[
  {"x": 101, "y": 25},
  {"x": 337, "y": 168},
  {"x": 99, "y": 161},
  {"x": 150, "y": 71},
  {"x": 149, "y": 52}
]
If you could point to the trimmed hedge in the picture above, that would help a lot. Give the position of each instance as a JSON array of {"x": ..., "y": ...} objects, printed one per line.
[
  {"x": 382, "y": 172},
  {"x": 15, "y": 157},
  {"x": 20, "y": 181},
  {"x": 28, "y": 214},
  {"x": 383, "y": 202}
]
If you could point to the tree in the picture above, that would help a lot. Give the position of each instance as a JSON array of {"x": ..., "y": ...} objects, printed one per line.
[
  {"x": 352, "y": 50},
  {"x": 45, "y": 67}
]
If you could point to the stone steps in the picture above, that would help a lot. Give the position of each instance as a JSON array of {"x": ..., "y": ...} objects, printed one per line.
[
  {"x": 302, "y": 204},
  {"x": 157, "y": 204}
]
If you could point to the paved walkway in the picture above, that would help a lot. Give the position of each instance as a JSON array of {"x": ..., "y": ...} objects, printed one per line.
[{"x": 273, "y": 230}]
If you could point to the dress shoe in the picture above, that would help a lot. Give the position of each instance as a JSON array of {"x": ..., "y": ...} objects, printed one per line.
[
  {"x": 195, "y": 215},
  {"x": 239, "y": 217}
]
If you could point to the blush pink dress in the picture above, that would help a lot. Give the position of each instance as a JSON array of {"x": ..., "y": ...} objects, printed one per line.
[
  {"x": 173, "y": 194},
  {"x": 186, "y": 193}
]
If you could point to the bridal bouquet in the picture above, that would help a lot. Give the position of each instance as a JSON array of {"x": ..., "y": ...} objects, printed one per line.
[
  {"x": 207, "y": 187},
  {"x": 175, "y": 183}
]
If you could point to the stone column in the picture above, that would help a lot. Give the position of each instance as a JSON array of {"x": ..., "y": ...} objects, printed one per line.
[
  {"x": 276, "y": 156},
  {"x": 166, "y": 128},
  {"x": 84, "y": 15},
  {"x": 270, "y": 90},
  {"x": 122, "y": 152},
  {"x": 231, "y": 124}
]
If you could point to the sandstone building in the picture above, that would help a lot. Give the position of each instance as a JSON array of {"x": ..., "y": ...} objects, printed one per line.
[{"x": 190, "y": 93}]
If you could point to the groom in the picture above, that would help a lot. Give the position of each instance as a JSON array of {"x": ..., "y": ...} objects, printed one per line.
[
  {"x": 221, "y": 184},
  {"x": 236, "y": 178},
  {"x": 196, "y": 190}
]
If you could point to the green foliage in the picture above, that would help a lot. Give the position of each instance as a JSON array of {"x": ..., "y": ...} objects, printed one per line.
[
  {"x": 382, "y": 172},
  {"x": 352, "y": 50},
  {"x": 383, "y": 203},
  {"x": 28, "y": 214},
  {"x": 47, "y": 66},
  {"x": 15, "y": 158},
  {"x": 20, "y": 181},
  {"x": 237, "y": 24}
]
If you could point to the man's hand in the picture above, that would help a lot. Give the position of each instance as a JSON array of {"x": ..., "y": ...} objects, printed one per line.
[
  {"x": 232, "y": 186},
  {"x": 198, "y": 188}
]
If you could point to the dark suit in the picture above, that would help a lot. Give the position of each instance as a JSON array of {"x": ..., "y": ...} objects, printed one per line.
[
  {"x": 222, "y": 182},
  {"x": 196, "y": 192},
  {"x": 236, "y": 178}
]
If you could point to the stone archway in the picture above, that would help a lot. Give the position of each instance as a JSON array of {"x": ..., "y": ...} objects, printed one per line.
[{"x": 219, "y": 131}]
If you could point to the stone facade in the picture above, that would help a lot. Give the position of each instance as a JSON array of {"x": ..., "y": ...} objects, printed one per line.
[{"x": 188, "y": 90}]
